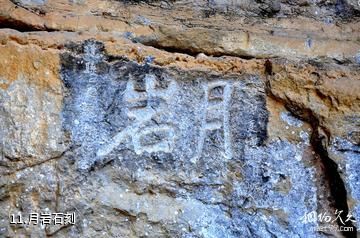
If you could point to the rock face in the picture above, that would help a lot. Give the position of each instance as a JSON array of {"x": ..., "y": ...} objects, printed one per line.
[{"x": 180, "y": 119}]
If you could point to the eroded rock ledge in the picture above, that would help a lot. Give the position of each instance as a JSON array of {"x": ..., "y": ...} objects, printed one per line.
[{"x": 178, "y": 119}]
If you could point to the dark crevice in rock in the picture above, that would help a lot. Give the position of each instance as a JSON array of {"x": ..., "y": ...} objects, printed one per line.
[
  {"x": 345, "y": 10},
  {"x": 336, "y": 184},
  {"x": 268, "y": 68},
  {"x": 19, "y": 25},
  {"x": 319, "y": 142},
  {"x": 188, "y": 51},
  {"x": 191, "y": 51},
  {"x": 167, "y": 4},
  {"x": 337, "y": 187},
  {"x": 37, "y": 163}
]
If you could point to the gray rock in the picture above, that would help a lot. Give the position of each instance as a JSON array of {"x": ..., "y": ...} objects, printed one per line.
[{"x": 197, "y": 141}]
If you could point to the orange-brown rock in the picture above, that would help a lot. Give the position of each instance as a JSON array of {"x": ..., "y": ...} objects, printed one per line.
[{"x": 180, "y": 119}]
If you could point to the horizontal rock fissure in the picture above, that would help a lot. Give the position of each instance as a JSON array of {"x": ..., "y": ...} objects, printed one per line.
[
  {"x": 19, "y": 26},
  {"x": 193, "y": 52},
  {"x": 23, "y": 27}
]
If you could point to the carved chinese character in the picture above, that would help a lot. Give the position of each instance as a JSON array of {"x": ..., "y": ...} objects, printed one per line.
[
  {"x": 144, "y": 101},
  {"x": 216, "y": 115}
]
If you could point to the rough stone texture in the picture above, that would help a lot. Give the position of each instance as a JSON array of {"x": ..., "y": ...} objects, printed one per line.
[{"x": 180, "y": 119}]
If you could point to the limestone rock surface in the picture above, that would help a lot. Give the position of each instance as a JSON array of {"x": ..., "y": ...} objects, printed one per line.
[{"x": 180, "y": 118}]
